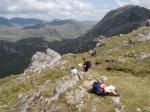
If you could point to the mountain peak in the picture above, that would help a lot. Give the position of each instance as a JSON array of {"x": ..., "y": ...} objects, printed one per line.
[
  {"x": 123, "y": 20},
  {"x": 128, "y": 6}
]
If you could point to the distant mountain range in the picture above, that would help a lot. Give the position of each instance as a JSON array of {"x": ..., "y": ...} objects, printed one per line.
[
  {"x": 4, "y": 21},
  {"x": 25, "y": 21},
  {"x": 19, "y": 21},
  {"x": 21, "y": 28}
]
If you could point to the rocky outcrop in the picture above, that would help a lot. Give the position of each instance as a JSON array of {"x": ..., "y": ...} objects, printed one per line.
[
  {"x": 22, "y": 78},
  {"x": 117, "y": 104},
  {"x": 143, "y": 55},
  {"x": 42, "y": 60},
  {"x": 147, "y": 23},
  {"x": 143, "y": 37},
  {"x": 76, "y": 97},
  {"x": 26, "y": 102},
  {"x": 138, "y": 110},
  {"x": 101, "y": 40},
  {"x": 121, "y": 59},
  {"x": 62, "y": 86},
  {"x": 109, "y": 51}
]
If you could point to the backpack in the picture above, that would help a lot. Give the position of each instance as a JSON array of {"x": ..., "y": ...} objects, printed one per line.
[
  {"x": 88, "y": 64},
  {"x": 96, "y": 87}
]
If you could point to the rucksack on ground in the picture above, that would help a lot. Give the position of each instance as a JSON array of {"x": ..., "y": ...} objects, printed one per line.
[
  {"x": 88, "y": 64},
  {"x": 96, "y": 87}
]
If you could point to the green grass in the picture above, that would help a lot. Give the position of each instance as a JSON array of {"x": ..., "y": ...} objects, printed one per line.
[{"x": 134, "y": 90}]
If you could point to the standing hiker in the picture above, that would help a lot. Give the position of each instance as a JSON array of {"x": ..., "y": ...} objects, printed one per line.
[
  {"x": 73, "y": 72},
  {"x": 86, "y": 65}
]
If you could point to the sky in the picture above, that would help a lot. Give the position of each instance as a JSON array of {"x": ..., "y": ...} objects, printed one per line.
[{"x": 82, "y": 10}]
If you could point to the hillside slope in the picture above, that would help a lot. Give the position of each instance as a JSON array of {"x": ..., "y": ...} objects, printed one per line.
[
  {"x": 122, "y": 20},
  {"x": 125, "y": 61}
]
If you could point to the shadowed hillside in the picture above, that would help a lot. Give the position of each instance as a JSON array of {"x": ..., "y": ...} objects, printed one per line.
[{"x": 15, "y": 57}]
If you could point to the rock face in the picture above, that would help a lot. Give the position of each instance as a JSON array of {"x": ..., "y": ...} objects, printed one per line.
[
  {"x": 147, "y": 22},
  {"x": 121, "y": 59},
  {"x": 76, "y": 97},
  {"x": 116, "y": 102},
  {"x": 62, "y": 86},
  {"x": 100, "y": 41},
  {"x": 143, "y": 37},
  {"x": 26, "y": 102},
  {"x": 143, "y": 55},
  {"x": 41, "y": 60},
  {"x": 107, "y": 52},
  {"x": 138, "y": 110}
]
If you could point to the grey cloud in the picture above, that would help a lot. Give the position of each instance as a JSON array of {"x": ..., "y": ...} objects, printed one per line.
[
  {"x": 49, "y": 9},
  {"x": 62, "y": 9}
]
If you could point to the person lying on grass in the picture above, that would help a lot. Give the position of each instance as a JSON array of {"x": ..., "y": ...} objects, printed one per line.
[{"x": 101, "y": 89}]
